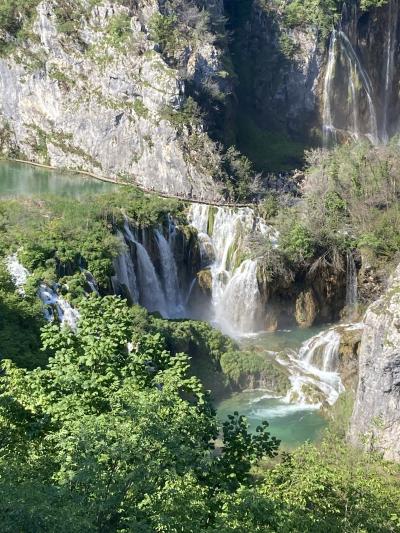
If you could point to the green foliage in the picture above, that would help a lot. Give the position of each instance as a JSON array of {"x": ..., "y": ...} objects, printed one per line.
[
  {"x": 189, "y": 115},
  {"x": 242, "y": 366},
  {"x": 297, "y": 244},
  {"x": 116, "y": 429},
  {"x": 322, "y": 14},
  {"x": 371, "y": 4},
  {"x": 334, "y": 488},
  {"x": 119, "y": 29},
  {"x": 15, "y": 16},
  {"x": 140, "y": 109},
  {"x": 163, "y": 32},
  {"x": 20, "y": 321},
  {"x": 181, "y": 23},
  {"x": 352, "y": 196},
  {"x": 269, "y": 207},
  {"x": 56, "y": 237},
  {"x": 239, "y": 174}
]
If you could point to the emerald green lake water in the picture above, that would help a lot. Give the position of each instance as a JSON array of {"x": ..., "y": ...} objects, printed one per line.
[
  {"x": 294, "y": 424},
  {"x": 19, "y": 180}
]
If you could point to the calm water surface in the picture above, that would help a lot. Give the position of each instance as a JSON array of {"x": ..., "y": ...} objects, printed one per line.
[{"x": 18, "y": 179}]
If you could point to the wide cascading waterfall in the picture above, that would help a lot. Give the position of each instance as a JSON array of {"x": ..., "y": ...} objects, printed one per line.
[
  {"x": 314, "y": 370},
  {"x": 236, "y": 299},
  {"x": 351, "y": 282},
  {"x": 170, "y": 276}
]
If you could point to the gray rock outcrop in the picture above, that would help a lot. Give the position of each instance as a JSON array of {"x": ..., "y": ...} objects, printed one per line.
[
  {"x": 375, "y": 422},
  {"x": 101, "y": 97}
]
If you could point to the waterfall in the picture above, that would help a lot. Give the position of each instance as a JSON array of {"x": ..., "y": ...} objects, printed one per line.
[
  {"x": 340, "y": 47},
  {"x": 56, "y": 305},
  {"x": 170, "y": 277},
  {"x": 389, "y": 66},
  {"x": 322, "y": 351},
  {"x": 66, "y": 314},
  {"x": 236, "y": 300},
  {"x": 313, "y": 370},
  {"x": 19, "y": 274},
  {"x": 328, "y": 129},
  {"x": 125, "y": 277},
  {"x": 240, "y": 303},
  {"x": 357, "y": 67},
  {"x": 351, "y": 281},
  {"x": 151, "y": 293}
]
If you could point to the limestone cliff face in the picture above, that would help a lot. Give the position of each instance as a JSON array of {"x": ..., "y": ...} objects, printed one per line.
[
  {"x": 102, "y": 98},
  {"x": 375, "y": 421}
]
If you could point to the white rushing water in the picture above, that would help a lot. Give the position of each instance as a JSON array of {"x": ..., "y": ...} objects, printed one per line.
[
  {"x": 151, "y": 294},
  {"x": 351, "y": 282},
  {"x": 389, "y": 66},
  {"x": 236, "y": 299},
  {"x": 135, "y": 271},
  {"x": 19, "y": 274},
  {"x": 171, "y": 288},
  {"x": 328, "y": 129},
  {"x": 125, "y": 276},
  {"x": 55, "y": 306},
  {"x": 313, "y": 370}
]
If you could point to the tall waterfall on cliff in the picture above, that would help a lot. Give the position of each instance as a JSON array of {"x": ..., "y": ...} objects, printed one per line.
[
  {"x": 360, "y": 85},
  {"x": 389, "y": 66},
  {"x": 351, "y": 281},
  {"x": 236, "y": 299}
]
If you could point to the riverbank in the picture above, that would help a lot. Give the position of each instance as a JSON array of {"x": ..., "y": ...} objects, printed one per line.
[{"x": 137, "y": 185}]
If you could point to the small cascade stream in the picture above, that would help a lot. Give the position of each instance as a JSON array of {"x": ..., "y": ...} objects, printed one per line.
[
  {"x": 351, "y": 282},
  {"x": 314, "y": 370},
  {"x": 54, "y": 305},
  {"x": 236, "y": 299}
]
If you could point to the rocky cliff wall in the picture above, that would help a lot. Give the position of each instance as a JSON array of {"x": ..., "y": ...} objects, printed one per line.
[
  {"x": 95, "y": 93},
  {"x": 375, "y": 422}
]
